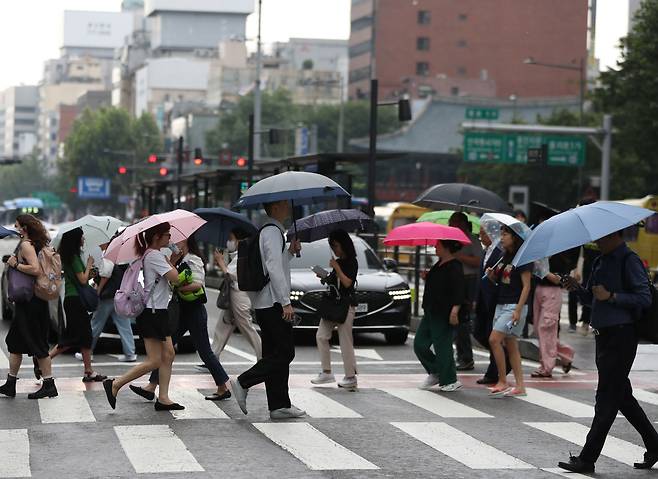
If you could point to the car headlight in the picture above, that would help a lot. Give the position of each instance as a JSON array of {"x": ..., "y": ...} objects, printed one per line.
[
  {"x": 296, "y": 295},
  {"x": 401, "y": 293}
]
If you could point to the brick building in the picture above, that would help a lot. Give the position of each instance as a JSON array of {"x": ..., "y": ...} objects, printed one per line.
[{"x": 467, "y": 47}]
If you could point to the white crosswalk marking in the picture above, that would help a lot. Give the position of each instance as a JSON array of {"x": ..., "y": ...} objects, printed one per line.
[
  {"x": 155, "y": 449},
  {"x": 4, "y": 362},
  {"x": 312, "y": 447},
  {"x": 556, "y": 403},
  {"x": 435, "y": 403},
  {"x": 196, "y": 405},
  {"x": 646, "y": 396},
  {"x": 14, "y": 453},
  {"x": 617, "y": 449},
  {"x": 240, "y": 352},
  {"x": 69, "y": 406},
  {"x": 563, "y": 473},
  {"x": 318, "y": 405},
  {"x": 460, "y": 446}
]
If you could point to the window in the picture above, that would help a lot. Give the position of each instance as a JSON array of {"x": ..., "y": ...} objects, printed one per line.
[
  {"x": 361, "y": 23},
  {"x": 422, "y": 43},
  {"x": 422, "y": 69},
  {"x": 461, "y": 71},
  {"x": 454, "y": 91},
  {"x": 359, "y": 74},
  {"x": 360, "y": 48},
  {"x": 424, "y": 17},
  {"x": 461, "y": 43},
  {"x": 462, "y": 17}
]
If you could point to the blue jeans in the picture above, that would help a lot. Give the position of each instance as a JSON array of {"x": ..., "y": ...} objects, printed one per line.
[
  {"x": 125, "y": 330},
  {"x": 194, "y": 318}
]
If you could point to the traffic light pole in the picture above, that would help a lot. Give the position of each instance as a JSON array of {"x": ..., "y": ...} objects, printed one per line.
[
  {"x": 179, "y": 171},
  {"x": 250, "y": 151},
  {"x": 372, "y": 150}
]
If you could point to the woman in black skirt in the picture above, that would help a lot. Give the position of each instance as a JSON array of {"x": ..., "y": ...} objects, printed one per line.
[
  {"x": 77, "y": 332},
  {"x": 28, "y": 333}
]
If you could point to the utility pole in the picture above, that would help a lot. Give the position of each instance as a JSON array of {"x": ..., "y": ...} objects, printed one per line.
[
  {"x": 372, "y": 150},
  {"x": 605, "y": 157},
  {"x": 250, "y": 152},
  {"x": 257, "y": 92},
  {"x": 179, "y": 172},
  {"x": 341, "y": 117}
]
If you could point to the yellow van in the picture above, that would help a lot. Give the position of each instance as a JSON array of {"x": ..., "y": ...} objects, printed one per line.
[
  {"x": 393, "y": 215},
  {"x": 644, "y": 240}
]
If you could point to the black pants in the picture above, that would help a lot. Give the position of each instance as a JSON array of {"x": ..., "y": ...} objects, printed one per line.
[
  {"x": 463, "y": 340},
  {"x": 278, "y": 352},
  {"x": 573, "y": 308},
  {"x": 615, "y": 353}
]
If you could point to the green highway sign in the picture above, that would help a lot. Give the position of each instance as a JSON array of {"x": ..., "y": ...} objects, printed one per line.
[
  {"x": 482, "y": 113},
  {"x": 512, "y": 148}
]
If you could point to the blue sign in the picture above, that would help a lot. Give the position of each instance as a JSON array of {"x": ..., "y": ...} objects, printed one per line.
[{"x": 93, "y": 188}]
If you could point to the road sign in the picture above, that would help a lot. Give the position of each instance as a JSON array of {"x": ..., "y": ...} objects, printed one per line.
[
  {"x": 93, "y": 188},
  {"x": 482, "y": 113},
  {"x": 487, "y": 147}
]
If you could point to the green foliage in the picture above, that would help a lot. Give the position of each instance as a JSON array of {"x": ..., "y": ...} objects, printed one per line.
[
  {"x": 102, "y": 140},
  {"x": 23, "y": 179}
]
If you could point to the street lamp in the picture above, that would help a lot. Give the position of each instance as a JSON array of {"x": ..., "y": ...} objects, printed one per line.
[{"x": 580, "y": 68}]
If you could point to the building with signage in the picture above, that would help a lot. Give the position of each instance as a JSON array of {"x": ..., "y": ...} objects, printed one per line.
[
  {"x": 18, "y": 120},
  {"x": 94, "y": 34},
  {"x": 467, "y": 48}
]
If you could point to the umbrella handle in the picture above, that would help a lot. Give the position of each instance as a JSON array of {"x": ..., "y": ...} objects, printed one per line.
[{"x": 294, "y": 223}]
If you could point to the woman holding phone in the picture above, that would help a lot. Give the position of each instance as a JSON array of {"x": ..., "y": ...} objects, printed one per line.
[{"x": 343, "y": 278}]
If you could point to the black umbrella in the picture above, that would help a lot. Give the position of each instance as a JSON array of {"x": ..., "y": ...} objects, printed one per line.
[
  {"x": 319, "y": 225},
  {"x": 220, "y": 222},
  {"x": 462, "y": 196}
]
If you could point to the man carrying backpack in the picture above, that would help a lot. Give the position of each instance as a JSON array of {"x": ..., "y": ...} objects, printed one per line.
[
  {"x": 274, "y": 314},
  {"x": 618, "y": 290}
]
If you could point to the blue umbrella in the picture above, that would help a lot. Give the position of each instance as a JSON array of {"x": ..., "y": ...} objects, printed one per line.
[
  {"x": 300, "y": 187},
  {"x": 4, "y": 232},
  {"x": 576, "y": 227},
  {"x": 319, "y": 225},
  {"x": 220, "y": 222}
]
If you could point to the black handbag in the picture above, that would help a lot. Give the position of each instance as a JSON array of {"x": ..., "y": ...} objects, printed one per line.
[
  {"x": 88, "y": 296},
  {"x": 224, "y": 296},
  {"x": 334, "y": 306}
]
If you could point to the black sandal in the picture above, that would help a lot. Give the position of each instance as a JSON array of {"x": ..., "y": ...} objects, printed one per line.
[{"x": 96, "y": 378}]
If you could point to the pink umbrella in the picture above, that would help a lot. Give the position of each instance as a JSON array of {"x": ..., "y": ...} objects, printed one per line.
[
  {"x": 183, "y": 224},
  {"x": 424, "y": 234}
]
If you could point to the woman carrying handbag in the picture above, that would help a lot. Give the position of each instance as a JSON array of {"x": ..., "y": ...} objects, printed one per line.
[
  {"x": 28, "y": 333},
  {"x": 341, "y": 282}
]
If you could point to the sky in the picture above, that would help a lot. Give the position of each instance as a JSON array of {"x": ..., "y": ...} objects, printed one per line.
[{"x": 30, "y": 29}]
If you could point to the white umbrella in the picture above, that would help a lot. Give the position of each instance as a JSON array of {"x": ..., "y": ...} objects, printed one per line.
[{"x": 97, "y": 230}]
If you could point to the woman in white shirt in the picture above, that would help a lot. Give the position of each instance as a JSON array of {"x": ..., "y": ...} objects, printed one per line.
[
  {"x": 153, "y": 323},
  {"x": 239, "y": 315}
]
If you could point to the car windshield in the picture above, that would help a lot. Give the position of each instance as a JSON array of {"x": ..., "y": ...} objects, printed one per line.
[{"x": 319, "y": 253}]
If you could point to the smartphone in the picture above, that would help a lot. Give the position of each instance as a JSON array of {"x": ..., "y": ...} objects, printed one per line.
[
  {"x": 320, "y": 271},
  {"x": 5, "y": 258}
]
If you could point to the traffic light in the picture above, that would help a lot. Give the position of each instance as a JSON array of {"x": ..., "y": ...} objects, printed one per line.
[
  {"x": 164, "y": 171},
  {"x": 198, "y": 157},
  {"x": 153, "y": 159},
  {"x": 241, "y": 162},
  {"x": 123, "y": 170}
]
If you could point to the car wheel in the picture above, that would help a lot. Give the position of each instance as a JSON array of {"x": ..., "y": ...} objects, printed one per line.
[{"x": 397, "y": 336}]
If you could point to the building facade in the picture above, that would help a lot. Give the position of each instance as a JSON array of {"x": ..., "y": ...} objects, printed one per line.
[
  {"x": 18, "y": 121},
  {"x": 467, "y": 48}
]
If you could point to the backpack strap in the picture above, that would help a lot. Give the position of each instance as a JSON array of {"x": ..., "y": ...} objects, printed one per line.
[
  {"x": 149, "y": 295},
  {"x": 283, "y": 238}
]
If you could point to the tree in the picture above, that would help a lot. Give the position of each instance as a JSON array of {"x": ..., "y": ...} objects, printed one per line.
[
  {"x": 23, "y": 179},
  {"x": 102, "y": 140},
  {"x": 629, "y": 93}
]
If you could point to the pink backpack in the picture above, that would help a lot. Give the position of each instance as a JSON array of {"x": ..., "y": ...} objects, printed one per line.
[{"x": 131, "y": 298}]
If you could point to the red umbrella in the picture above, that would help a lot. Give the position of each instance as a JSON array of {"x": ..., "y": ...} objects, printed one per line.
[{"x": 424, "y": 234}]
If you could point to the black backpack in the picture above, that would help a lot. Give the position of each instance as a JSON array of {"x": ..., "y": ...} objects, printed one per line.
[
  {"x": 647, "y": 318},
  {"x": 114, "y": 282},
  {"x": 250, "y": 263}
]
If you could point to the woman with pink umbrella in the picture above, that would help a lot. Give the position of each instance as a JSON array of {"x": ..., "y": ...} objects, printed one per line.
[{"x": 444, "y": 300}]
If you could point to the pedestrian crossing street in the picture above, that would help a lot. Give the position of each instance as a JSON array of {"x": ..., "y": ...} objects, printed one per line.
[{"x": 393, "y": 429}]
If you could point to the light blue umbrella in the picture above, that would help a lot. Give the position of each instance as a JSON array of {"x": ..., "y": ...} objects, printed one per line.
[{"x": 577, "y": 227}]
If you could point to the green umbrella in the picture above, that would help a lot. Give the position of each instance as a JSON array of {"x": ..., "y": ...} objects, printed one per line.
[{"x": 442, "y": 217}]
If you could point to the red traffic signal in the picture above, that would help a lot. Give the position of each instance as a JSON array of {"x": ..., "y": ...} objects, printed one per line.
[
  {"x": 163, "y": 171},
  {"x": 123, "y": 170},
  {"x": 241, "y": 161},
  {"x": 153, "y": 158},
  {"x": 198, "y": 157}
]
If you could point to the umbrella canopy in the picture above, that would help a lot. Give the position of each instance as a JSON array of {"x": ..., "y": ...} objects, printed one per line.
[
  {"x": 461, "y": 196},
  {"x": 576, "y": 227},
  {"x": 97, "y": 230},
  {"x": 220, "y": 222},
  {"x": 301, "y": 187},
  {"x": 443, "y": 217},
  {"x": 4, "y": 232},
  {"x": 319, "y": 225},
  {"x": 424, "y": 234},
  {"x": 183, "y": 224},
  {"x": 515, "y": 225}
]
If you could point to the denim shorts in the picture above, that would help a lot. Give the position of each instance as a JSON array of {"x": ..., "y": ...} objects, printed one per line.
[{"x": 503, "y": 316}]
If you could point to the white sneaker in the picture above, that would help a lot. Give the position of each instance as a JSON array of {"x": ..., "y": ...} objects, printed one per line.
[
  {"x": 323, "y": 378},
  {"x": 448, "y": 388},
  {"x": 127, "y": 358},
  {"x": 430, "y": 380},
  {"x": 287, "y": 413},
  {"x": 347, "y": 382},
  {"x": 78, "y": 356}
]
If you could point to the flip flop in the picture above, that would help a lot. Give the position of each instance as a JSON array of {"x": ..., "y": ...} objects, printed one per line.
[
  {"x": 497, "y": 392},
  {"x": 514, "y": 393}
]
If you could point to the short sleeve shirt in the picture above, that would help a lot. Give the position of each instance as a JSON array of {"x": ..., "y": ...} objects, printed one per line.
[
  {"x": 350, "y": 269},
  {"x": 473, "y": 249},
  {"x": 509, "y": 280},
  {"x": 155, "y": 267},
  {"x": 70, "y": 278}
]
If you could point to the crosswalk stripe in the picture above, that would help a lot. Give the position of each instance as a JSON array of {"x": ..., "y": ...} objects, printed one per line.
[
  {"x": 14, "y": 453},
  {"x": 318, "y": 405},
  {"x": 614, "y": 448},
  {"x": 69, "y": 406},
  {"x": 313, "y": 448},
  {"x": 460, "y": 446},
  {"x": 156, "y": 449},
  {"x": 196, "y": 405},
  {"x": 646, "y": 396},
  {"x": 4, "y": 362},
  {"x": 559, "y": 404},
  {"x": 435, "y": 403},
  {"x": 563, "y": 473}
]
